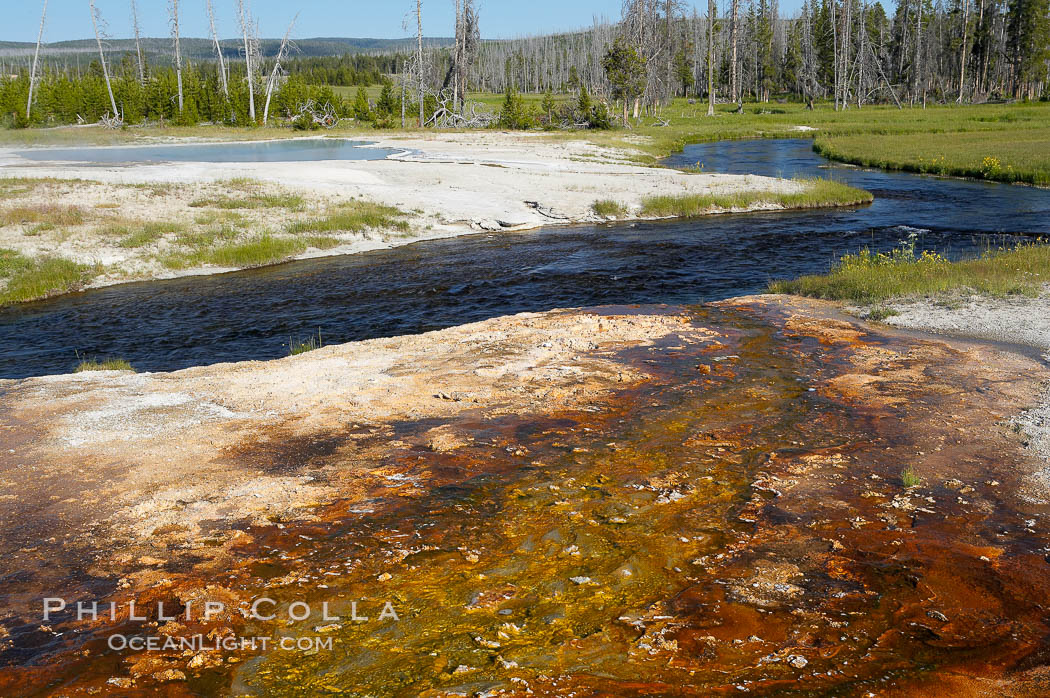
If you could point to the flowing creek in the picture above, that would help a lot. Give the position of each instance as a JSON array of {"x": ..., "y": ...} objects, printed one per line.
[
  {"x": 251, "y": 315},
  {"x": 735, "y": 522}
]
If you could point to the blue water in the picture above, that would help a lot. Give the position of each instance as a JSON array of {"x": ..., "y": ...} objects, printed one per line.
[
  {"x": 165, "y": 325},
  {"x": 295, "y": 150}
]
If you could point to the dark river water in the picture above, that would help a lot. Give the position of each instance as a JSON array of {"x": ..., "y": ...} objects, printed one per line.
[{"x": 166, "y": 325}]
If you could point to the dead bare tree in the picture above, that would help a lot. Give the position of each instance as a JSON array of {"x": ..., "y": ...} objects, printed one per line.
[
  {"x": 223, "y": 82},
  {"x": 447, "y": 115},
  {"x": 274, "y": 75},
  {"x": 173, "y": 10},
  {"x": 36, "y": 59},
  {"x": 419, "y": 58},
  {"x": 138, "y": 42},
  {"x": 712, "y": 11},
  {"x": 249, "y": 53},
  {"x": 464, "y": 51},
  {"x": 962, "y": 58},
  {"x": 457, "y": 56},
  {"x": 320, "y": 114},
  {"x": 96, "y": 20},
  {"x": 734, "y": 65}
]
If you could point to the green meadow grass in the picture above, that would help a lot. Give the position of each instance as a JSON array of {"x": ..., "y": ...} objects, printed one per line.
[
  {"x": 816, "y": 193},
  {"x": 1019, "y": 155}
]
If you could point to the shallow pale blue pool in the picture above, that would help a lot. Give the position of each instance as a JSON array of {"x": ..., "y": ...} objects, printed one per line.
[{"x": 295, "y": 150}]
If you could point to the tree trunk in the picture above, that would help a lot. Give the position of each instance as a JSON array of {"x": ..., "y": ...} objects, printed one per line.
[
  {"x": 918, "y": 52},
  {"x": 36, "y": 58},
  {"x": 734, "y": 85},
  {"x": 712, "y": 8},
  {"x": 102, "y": 59},
  {"x": 962, "y": 59},
  {"x": 138, "y": 42},
  {"x": 178, "y": 50},
  {"x": 457, "y": 56},
  {"x": 248, "y": 60},
  {"x": 271, "y": 84},
  {"x": 669, "y": 87},
  {"x": 223, "y": 82},
  {"x": 835, "y": 50},
  {"x": 419, "y": 57}
]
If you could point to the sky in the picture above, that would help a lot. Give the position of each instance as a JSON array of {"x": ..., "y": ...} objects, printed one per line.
[{"x": 382, "y": 19}]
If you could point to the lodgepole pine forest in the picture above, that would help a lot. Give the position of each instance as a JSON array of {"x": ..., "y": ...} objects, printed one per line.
[{"x": 844, "y": 52}]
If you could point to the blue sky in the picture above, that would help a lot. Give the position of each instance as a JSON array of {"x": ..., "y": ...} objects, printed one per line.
[{"x": 69, "y": 19}]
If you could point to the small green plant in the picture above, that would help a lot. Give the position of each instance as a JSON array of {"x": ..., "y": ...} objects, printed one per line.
[
  {"x": 909, "y": 478},
  {"x": 609, "y": 209},
  {"x": 878, "y": 313},
  {"x": 300, "y": 347},
  {"x": 86, "y": 365}
]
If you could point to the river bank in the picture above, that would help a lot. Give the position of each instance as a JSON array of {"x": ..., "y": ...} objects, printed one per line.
[
  {"x": 97, "y": 225},
  {"x": 708, "y": 497}
]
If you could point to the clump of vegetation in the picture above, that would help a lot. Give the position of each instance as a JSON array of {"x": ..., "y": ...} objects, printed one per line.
[
  {"x": 210, "y": 217},
  {"x": 869, "y": 277},
  {"x": 353, "y": 217},
  {"x": 135, "y": 234},
  {"x": 879, "y": 313},
  {"x": 815, "y": 193},
  {"x": 300, "y": 347},
  {"x": 909, "y": 478},
  {"x": 292, "y": 202},
  {"x": 29, "y": 279},
  {"x": 256, "y": 252},
  {"x": 39, "y": 229},
  {"x": 52, "y": 214},
  {"x": 609, "y": 208},
  {"x": 17, "y": 186},
  {"x": 515, "y": 113},
  {"x": 103, "y": 365}
]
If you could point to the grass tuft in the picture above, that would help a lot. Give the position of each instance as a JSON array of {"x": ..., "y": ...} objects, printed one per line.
[
  {"x": 609, "y": 209},
  {"x": 135, "y": 234},
  {"x": 103, "y": 365},
  {"x": 291, "y": 202},
  {"x": 872, "y": 278},
  {"x": 815, "y": 193},
  {"x": 909, "y": 478},
  {"x": 52, "y": 214},
  {"x": 220, "y": 247},
  {"x": 879, "y": 313},
  {"x": 354, "y": 217},
  {"x": 300, "y": 347}
]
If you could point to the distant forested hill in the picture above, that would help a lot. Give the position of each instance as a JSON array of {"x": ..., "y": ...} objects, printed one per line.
[{"x": 202, "y": 49}]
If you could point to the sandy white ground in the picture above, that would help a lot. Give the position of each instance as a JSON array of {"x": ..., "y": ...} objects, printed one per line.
[{"x": 461, "y": 181}]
